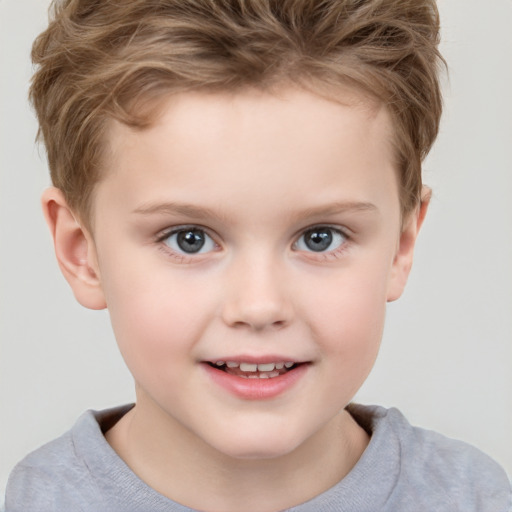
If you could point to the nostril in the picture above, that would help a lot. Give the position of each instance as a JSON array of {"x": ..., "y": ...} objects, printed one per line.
[
  {"x": 260, "y": 326},
  {"x": 256, "y": 312}
]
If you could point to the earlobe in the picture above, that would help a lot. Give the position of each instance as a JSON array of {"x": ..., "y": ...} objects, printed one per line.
[
  {"x": 404, "y": 256},
  {"x": 74, "y": 249}
]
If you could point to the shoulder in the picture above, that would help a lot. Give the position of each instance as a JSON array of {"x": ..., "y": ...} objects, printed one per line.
[
  {"x": 447, "y": 460},
  {"x": 446, "y": 473},
  {"x": 31, "y": 477},
  {"x": 40, "y": 480},
  {"x": 57, "y": 476}
]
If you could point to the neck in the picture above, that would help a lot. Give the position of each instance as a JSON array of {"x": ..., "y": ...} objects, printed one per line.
[{"x": 174, "y": 462}]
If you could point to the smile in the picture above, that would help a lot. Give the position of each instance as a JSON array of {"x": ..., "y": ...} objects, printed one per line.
[
  {"x": 247, "y": 370},
  {"x": 250, "y": 379}
]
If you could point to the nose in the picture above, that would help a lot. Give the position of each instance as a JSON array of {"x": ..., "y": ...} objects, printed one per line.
[{"x": 256, "y": 296}]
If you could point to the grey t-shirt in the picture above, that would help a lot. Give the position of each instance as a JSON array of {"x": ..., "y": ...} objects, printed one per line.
[{"x": 404, "y": 468}]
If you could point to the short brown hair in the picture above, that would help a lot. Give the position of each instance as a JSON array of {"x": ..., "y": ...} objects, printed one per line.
[{"x": 100, "y": 60}]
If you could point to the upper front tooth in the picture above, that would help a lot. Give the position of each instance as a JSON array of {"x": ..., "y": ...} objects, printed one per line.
[
  {"x": 248, "y": 367},
  {"x": 232, "y": 364},
  {"x": 289, "y": 364},
  {"x": 266, "y": 367}
]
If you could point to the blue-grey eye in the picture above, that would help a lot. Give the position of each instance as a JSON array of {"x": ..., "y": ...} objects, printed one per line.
[
  {"x": 320, "y": 239},
  {"x": 190, "y": 241}
]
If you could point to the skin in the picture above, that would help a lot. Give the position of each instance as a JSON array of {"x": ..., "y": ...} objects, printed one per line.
[{"x": 255, "y": 171}]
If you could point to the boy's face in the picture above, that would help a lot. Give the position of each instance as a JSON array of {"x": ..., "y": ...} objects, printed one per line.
[{"x": 250, "y": 228}]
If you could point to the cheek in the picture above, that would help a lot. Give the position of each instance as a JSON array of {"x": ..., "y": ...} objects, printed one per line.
[
  {"x": 348, "y": 325},
  {"x": 351, "y": 304},
  {"x": 155, "y": 319}
]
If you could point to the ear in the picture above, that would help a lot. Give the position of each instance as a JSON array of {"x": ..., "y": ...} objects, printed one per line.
[
  {"x": 403, "y": 258},
  {"x": 75, "y": 250}
]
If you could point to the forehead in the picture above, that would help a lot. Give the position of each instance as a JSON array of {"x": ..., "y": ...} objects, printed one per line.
[
  {"x": 290, "y": 139},
  {"x": 223, "y": 118}
]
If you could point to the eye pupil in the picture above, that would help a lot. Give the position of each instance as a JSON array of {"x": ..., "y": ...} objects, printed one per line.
[
  {"x": 318, "y": 239},
  {"x": 190, "y": 240}
]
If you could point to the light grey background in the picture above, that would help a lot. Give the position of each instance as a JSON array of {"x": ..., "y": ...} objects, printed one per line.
[{"x": 446, "y": 358}]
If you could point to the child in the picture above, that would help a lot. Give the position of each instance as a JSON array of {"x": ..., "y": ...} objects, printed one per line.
[{"x": 240, "y": 184}]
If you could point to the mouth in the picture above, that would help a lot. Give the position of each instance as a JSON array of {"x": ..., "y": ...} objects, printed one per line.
[
  {"x": 253, "y": 378},
  {"x": 250, "y": 370}
]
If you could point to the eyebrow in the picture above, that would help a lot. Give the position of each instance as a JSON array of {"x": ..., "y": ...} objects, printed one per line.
[
  {"x": 339, "y": 207},
  {"x": 201, "y": 212},
  {"x": 172, "y": 208}
]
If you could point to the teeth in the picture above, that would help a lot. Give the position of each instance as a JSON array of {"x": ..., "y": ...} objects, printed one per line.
[
  {"x": 269, "y": 375},
  {"x": 266, "y": 367},
  {"x": 248, "y": 367},
  {"x": 255, "y": 367}
]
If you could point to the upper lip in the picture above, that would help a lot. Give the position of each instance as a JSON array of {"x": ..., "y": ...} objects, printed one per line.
[{"x": 263, "y": 359}]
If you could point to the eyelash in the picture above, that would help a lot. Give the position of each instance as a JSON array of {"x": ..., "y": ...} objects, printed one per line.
[
  {"x": 183, "y": 257},
  {"x": 327, "y": 255}
]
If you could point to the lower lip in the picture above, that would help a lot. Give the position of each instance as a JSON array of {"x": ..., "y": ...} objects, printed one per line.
[{"x": 256, "y": 389}]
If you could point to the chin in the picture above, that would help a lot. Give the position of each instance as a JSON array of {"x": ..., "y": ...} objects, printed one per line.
[
  {"x": 261, "y": 446},
  {"x": 256, "y": 453}
]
